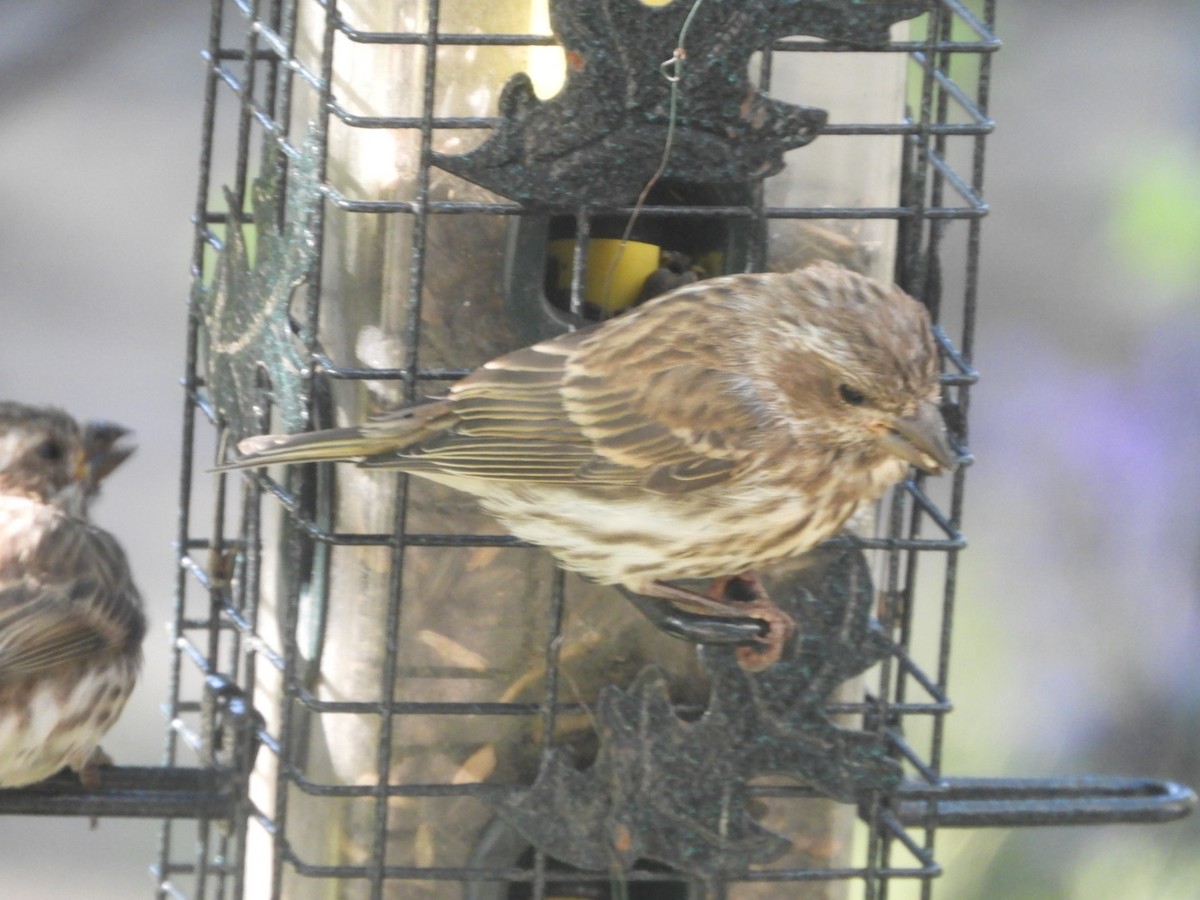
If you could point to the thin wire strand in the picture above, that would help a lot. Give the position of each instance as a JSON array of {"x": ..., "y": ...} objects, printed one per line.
[{"x": 672, "y": 70}]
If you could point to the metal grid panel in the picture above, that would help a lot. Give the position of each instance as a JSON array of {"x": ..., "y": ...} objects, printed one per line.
[{"x": 230, "y": 626}]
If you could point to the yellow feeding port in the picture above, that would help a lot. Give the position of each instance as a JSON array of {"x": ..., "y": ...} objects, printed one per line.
[{"x": 615, "y": 271}]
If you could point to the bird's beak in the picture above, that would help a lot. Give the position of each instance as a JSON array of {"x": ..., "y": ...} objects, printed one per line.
[
  {"x": 921, "y": 439},
  {"x": 102, "y": 453}
]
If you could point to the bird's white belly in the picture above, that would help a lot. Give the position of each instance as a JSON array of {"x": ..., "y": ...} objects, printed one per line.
[
  {"x": 57, "y": 723},
  {"x": 621, "y": 539}
]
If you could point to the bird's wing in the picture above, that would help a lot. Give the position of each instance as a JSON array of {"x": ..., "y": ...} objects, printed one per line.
[
  {"x": 556, "y": 413},
  {"x": 680, "y": 417},
  {"x": 504, "y": 421},
  {"x": 72, "y": 599}
]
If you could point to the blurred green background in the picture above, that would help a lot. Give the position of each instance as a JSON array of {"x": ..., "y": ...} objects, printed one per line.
[{"x": 1077, "y": 647}]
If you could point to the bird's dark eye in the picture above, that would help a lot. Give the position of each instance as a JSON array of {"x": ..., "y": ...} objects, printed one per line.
[
  {"x": 851, "y": 396},
  {"x": 51, "y": 451}
]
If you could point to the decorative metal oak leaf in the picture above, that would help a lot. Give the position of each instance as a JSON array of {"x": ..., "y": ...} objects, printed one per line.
[
  {"x": 602, "y": 137},
  {"x": 245, "y": 312},
  {"x": 675, "y": 791}
]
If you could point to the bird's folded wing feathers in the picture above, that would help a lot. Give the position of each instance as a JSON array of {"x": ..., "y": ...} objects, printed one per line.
[
  {"x": 505, "y": 421},
  {"x": 554, "y": 413},
  {"x": 73, "y": 600},
  {"x": 685, "y": 422},
  {"x": 538, "y": 415}
]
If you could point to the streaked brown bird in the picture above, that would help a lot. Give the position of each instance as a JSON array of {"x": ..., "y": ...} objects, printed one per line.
[
  {"x": 71, "y": 622},
  {"x": 729, "y": 424}
]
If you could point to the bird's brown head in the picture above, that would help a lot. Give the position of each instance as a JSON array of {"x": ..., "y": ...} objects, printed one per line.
[
  {"x": 45, "y": 455},
  {"x": 857, "y": 367}
]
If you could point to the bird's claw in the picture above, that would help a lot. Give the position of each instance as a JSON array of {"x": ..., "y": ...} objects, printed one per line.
[
  {"x": 760, "y": 634},
  {"x": 699, "y": 628},
  {"x": 89, "y": 772},
  {"x": 769, "y": 648}
]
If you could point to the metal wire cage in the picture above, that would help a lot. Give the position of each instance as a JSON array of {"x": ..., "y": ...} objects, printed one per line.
[{"x": 390, "y": 665}]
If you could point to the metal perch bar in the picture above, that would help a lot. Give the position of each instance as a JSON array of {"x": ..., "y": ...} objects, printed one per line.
[{"x": 1026, "y": 802}]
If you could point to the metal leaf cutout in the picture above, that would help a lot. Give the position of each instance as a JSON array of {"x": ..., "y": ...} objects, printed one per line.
[
  {"x": 245, "y": 312},
  {"x": 675, "y": 791},
  {"x": 602, "y": 137}
]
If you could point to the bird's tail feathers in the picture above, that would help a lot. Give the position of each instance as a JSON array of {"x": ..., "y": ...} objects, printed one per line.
[{"x": 352, "y": 443}]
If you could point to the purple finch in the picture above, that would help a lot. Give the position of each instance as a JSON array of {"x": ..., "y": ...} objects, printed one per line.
[
  {"x": 71, "y": 623},
  {"x": 729, "y": 424}
]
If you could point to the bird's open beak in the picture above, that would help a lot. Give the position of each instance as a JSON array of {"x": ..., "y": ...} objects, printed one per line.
[
  {"x": 921, "y": 439},
  {"x": 102, "y": 451}
]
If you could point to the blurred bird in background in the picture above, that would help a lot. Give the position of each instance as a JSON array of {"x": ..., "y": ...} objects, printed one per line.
[
  {"x": 71, "y": 622},
  {"x": 724, "y": 426}
]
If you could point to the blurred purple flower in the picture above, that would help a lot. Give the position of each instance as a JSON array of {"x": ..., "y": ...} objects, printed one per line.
[{"x": 1089, "y": 483}]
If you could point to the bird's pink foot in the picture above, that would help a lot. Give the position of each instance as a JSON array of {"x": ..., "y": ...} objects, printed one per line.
[
  {"x": 736, "y": 598},
  {"x": 769, "y": 650},
  {"x": 747, "y": 596},
  {"x": 89, "y": 772},
  {"x": 745, "y": 587}
]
